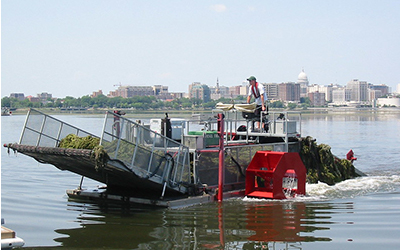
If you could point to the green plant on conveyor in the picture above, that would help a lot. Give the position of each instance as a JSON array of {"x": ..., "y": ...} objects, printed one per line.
[{"x": 74, "y": 141}]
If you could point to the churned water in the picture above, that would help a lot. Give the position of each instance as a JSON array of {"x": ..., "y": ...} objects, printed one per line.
[{"x": 362, "y": 213}]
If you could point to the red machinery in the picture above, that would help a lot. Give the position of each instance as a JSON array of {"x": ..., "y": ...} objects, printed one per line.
[
  {"x": 266, "y": 171},
  {"x": 350, "y": 156}
]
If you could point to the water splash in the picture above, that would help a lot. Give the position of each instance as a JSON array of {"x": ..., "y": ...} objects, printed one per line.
[
  {"x": 354, "y": 187},
  {"x": 346, "y": 189}
]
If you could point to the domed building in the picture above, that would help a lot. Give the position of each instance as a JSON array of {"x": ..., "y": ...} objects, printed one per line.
[{"x": 302, "y": 79}]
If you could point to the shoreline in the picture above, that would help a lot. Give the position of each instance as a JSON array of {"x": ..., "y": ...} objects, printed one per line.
[{"x": 189, "y": 113}]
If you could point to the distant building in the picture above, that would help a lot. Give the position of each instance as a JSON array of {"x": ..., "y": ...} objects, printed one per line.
[
  {"x": 359, "y": 90},
  {"x": 199, "y": 91},
  {"x": 234, "y": 91},
  {"x": 390, "y": 102},
  {"x": 131, "y": 91},
  {"x": 317, "y": 98},
  {"x": 384, "y": 89},
  {"x": 302, "y": 79},
  {"x": 272, "y": 91},
  {"x": 178, "y": 95},
  {"x": 18, "y": 96},
  {"x": 219, "y": 92},
  {"x": 44, "y": 96},
  {"x": 340, "y": 96},
  {"x": 113, "y": 94},
  {"x": 96, "y": 93},
  {"x": 327, "y": 90},
  {"x": 161, "y": 92},
  {"x": 33, "y": 99},
  {"x": 244, "y": 88},
  {"x": 374, "y": 94},
  {"x": 289, "y": 92}
]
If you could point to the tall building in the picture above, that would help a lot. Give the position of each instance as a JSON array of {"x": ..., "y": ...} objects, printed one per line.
[
  {"x": 359, "y": 90},
  {"x": 289, "y": 92},
  {"x": 272, "y": 91},
  {"x": 199, "y": 91}
]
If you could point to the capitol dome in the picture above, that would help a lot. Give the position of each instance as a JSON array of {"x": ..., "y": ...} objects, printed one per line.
[{"x": 302, "y": 78}]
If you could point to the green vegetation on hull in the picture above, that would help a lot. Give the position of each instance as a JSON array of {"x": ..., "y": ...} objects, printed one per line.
[{"x": 322, "y": 165}]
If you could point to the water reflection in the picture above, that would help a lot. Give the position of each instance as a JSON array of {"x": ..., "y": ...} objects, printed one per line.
[
  {"x": 235, "y": 224},
  {"x": 354, "y": 116}
]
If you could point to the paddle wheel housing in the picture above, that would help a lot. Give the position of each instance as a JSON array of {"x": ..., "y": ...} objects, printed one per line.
[{"x": 267, "y": 172}]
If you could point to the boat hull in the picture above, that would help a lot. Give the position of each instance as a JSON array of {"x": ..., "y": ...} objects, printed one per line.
[{"x": 118, "y": 177}]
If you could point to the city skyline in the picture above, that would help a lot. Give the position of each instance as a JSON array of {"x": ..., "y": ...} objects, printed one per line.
[
  {"x": 216, "y": 92},
  {"x": 72, "y": 48}
]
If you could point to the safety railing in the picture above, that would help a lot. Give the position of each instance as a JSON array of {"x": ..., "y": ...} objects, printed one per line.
[
  {"x": 243, "y": 127},
  {"x": 277, "y": 123},
  {"x": 42, "y": 130},
  {"x": 147, "y": 153}
]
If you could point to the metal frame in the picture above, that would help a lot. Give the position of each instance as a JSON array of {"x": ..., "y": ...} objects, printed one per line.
[
  {"x": 158, "y": 146},
  {"x": 29, "y": 125}
]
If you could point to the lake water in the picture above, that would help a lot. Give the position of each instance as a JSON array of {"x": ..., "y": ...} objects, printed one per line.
[{"x": 362, "y": 213}]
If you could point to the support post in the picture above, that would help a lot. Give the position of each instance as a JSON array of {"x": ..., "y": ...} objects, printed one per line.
[
  {"x": 80, "y": 184},
  {"x": 221, "y": 156}
]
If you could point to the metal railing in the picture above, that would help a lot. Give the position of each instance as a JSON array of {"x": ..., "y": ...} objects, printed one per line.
[
  {"x": 147, "y": 153},
  {"x": 284, "y": 125},
  {"x": 42, "y": 130}
]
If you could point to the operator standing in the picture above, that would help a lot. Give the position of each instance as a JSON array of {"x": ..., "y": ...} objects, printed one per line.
[{"x": 260, "y": 96}]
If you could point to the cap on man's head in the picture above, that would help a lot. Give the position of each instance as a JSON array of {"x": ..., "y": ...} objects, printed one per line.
[{"x": 251, "y": 78}]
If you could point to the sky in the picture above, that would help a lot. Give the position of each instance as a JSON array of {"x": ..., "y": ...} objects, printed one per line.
[{"x": 75, "y": 47}]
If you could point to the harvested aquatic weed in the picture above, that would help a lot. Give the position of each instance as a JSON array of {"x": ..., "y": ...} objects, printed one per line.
[{"x": 74, "y": 141}]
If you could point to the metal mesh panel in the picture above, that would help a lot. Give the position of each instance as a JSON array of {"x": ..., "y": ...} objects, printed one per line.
[
  {"x": 29, "y": 137},
  {"x": 46, "y": 131},
  {"x": 207, "y": 166},
  {"x": 66, "y": 130},
  {"x": 51, "y": 127},
  {"x": 35, "y": 120},
  {"x": 139, "y": 147}
]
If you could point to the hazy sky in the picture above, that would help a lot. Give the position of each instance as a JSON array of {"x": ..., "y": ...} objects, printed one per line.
[{"x": 75, "y": 47}]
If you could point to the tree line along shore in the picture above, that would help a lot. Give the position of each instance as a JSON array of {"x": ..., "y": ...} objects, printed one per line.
[
  {"x": 150, "y": 104},
  {"x": 136, "y": 102}
]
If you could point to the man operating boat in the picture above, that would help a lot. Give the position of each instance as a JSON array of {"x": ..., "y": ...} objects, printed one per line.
[{"x": 260, "y": 96}]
